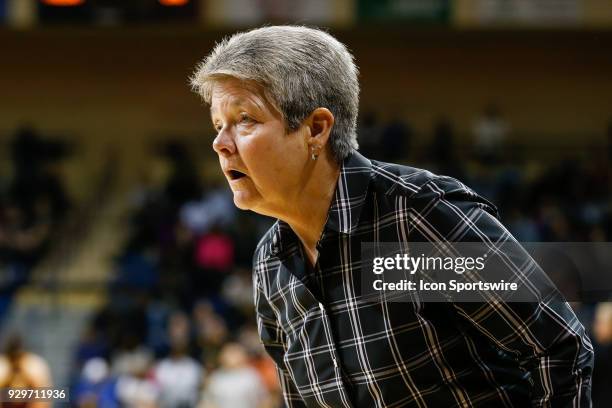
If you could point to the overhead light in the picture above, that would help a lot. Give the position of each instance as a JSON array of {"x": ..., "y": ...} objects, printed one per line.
[
  {"x": 173, "y": 3},
  {"x": 63, "y": 3}
]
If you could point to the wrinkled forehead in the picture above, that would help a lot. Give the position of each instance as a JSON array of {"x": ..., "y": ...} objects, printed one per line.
[{"x": 231, "y": 91}]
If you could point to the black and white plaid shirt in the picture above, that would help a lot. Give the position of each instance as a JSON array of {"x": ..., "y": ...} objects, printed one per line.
[{"x": 332, "y": 348}]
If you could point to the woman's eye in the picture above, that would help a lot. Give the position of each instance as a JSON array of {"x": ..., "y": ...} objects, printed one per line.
[{"x": 244, "y": 118}]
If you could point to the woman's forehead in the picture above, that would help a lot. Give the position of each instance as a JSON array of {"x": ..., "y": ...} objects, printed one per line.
[
  {"x": 233, "y": 90},
  {"x": 231, "y": 96},
  {"x": 228, "y": 93}
]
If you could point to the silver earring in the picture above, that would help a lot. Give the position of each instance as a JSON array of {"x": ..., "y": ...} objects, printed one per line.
[{"x": 314, "y": 156}]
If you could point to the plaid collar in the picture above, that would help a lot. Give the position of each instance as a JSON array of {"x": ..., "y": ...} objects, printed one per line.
[{"x": 350, "y": 195}]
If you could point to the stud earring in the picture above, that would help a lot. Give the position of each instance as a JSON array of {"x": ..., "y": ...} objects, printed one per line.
[{"x": 314, "y": 155}]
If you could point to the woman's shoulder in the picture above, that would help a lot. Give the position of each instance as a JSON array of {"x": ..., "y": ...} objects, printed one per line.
[
  {"x": 399, "y": 179},
  {"x": 423, "y": 186}
]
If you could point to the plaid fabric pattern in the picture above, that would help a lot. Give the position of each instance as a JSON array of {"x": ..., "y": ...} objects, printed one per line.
[{"x": 333, "y": 348}]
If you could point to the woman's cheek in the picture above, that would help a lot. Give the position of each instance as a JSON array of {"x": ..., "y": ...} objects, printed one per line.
[
  {"x": 248, "y": 148},
  {"x": 256, "y": 157}
]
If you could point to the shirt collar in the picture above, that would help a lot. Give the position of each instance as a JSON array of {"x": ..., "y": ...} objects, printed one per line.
[{"x": 350, "y": 194}]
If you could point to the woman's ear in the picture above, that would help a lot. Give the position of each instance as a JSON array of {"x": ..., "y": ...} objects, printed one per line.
[{"x": 320, "y": 122}]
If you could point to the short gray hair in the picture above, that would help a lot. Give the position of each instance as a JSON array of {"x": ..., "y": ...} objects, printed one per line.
[{"x": 299, "y": 68}]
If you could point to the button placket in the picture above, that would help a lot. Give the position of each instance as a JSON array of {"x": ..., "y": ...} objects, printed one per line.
[{"x": 332, "y": 351}]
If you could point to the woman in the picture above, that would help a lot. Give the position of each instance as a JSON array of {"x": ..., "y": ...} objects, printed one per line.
[{"x": 284, "y": 103}]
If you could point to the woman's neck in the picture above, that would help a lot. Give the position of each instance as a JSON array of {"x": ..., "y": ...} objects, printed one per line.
[{"x": 307, "y": 213}]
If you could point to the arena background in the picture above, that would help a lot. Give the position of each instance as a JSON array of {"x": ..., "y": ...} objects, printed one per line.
[{"x": 123, "y": 263}]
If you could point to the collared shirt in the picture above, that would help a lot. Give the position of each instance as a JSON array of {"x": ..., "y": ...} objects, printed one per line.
[{"x": 334, "y": 348}]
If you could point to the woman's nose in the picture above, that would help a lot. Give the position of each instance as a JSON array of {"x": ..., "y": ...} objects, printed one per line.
[{"x": 224, "y": 143}]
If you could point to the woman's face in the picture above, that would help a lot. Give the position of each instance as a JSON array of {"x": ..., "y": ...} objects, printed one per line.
[{"x": 264, "y": 165}]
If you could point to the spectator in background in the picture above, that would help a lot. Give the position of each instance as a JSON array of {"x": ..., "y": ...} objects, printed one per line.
[
  {"x": 524, "y": 228},
  {"x": 602, "y": 376},
  {"x": 214, "y": 208},
  {"x": 214, "y": 257},
  {"x": 235, "y": 384},
  {"x": 91, "y": 345},
  {"x": 136, "y": 386},
  {"x": 237, "y": 290},
  {"x": 260, "y": 360},
  {"x": 183, "y": 184},
  {"x": 20, "y": 368},
  {"x": 443, "y": 143},
  {"x": 178, "y": 375},
  {"x": 36, "y": 174},
  {"x": 443, "y": 150},
  {"x": 211, "y": 330},
  {"x": 23, "y": 236},
  {"x": 396, "y": 138},
  {"x": 490, "y": 132},
  {"x": 370, "y": 133},
  {"x": 94, "y": 381}
]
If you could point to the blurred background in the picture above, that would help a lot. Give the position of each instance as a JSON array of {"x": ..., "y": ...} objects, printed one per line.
[{"x": 125, "y": 270}]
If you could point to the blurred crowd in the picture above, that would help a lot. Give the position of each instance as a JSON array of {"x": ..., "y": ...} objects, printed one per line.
[
  {"x": 33, "y": 203},
  {"x": 178, "y": 329}
]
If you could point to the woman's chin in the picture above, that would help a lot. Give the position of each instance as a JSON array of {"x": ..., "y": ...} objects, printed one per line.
[{"x": 244, "y": 200}]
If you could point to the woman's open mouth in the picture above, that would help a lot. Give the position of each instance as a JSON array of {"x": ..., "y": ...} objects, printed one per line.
[{"x": 236, "y": 175}]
